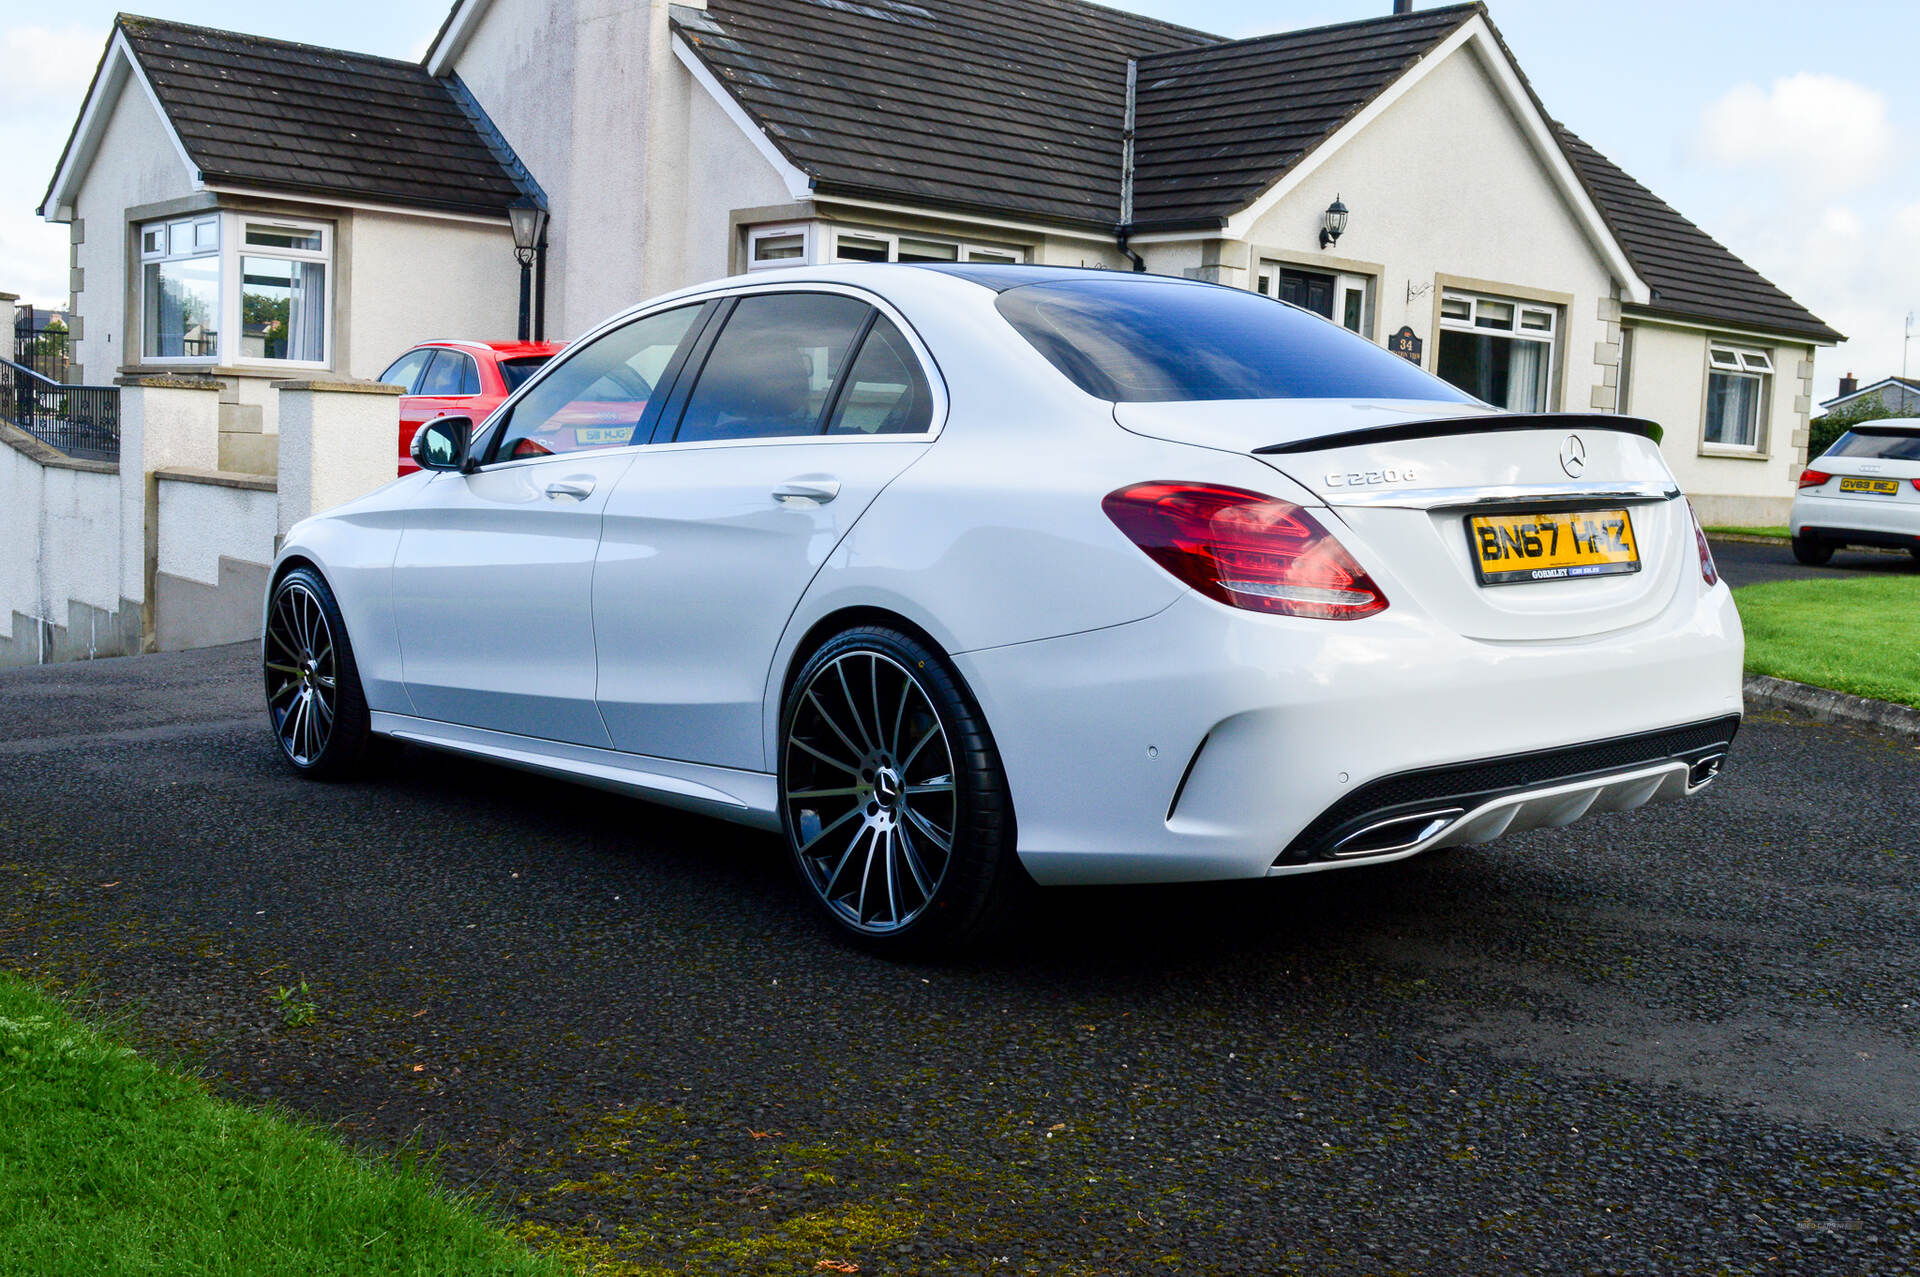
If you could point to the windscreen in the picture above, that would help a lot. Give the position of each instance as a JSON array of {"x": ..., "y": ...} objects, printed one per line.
[
  {"x": 1895, "y": 446},
  {"x": 1133, "y": 340},
  {"x": 516, "y": 371}
]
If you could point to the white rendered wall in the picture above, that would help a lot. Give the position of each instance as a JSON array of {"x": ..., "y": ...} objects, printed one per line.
[
  {"x": 414, "y": 279},
  {"x": 200, "y": 522},
  {"x": 1669, "y": 385},
  {"x": 59, "y": 540},
  {"x": 137, "y": 164},
  {"x": 1445, "y": 182}
]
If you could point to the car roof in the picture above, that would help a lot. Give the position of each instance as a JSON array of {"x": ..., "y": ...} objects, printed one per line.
[
  {"x": 504, "y": 349},
  {"x": 1887, "y": 426}
]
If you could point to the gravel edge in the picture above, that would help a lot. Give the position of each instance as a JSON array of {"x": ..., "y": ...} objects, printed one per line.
[{"x": 1764, "y": 692}]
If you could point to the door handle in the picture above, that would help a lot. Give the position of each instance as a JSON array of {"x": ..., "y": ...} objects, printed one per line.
[
  {"x": 818, "y": 491},
  {"x": 570, "y": 489}
]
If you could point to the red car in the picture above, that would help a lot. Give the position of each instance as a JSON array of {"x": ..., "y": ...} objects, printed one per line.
[{"x": 464, "y": 378}]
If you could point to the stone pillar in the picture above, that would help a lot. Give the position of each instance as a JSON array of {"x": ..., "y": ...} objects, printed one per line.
[
  {"x": 164, "y": 421},
  {"x": 338, "y": 440},
  {"x": 8, "y": 312}
]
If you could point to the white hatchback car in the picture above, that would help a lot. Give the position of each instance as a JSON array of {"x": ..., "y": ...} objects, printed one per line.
[
  {"x": 964, "y": 577},
  {"x": 1864, "y": 490}
]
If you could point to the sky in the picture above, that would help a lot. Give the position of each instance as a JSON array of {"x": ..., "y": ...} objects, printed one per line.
[{"x": 1786, "y": 130}]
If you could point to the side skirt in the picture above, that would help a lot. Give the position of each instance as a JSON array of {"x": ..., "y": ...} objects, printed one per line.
[{"x": 747, "y": 798}]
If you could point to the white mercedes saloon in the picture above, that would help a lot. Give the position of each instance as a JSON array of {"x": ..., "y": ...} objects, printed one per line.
[
  {"x": 963, "y": 578},
  {"x": 1864, "y": 490}
]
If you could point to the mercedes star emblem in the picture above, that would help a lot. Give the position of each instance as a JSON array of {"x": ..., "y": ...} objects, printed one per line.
[{"x": 1573, "y": 456}]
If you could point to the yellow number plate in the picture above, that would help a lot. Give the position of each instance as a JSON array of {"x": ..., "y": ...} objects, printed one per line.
[
  {"x": 1511, "y": 548},
  {"x": 1885, "y": 487}
]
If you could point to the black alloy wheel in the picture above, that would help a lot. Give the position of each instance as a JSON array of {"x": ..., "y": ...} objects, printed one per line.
[{"x": 893, "y": 798}]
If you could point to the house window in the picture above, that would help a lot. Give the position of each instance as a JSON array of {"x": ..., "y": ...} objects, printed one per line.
[
  {"x": 180, "y": 288},
  {"x": 1498, "y": 349},
  {"x": 880, "y": 246},
  {"x": 1737, "y": 384},
  {"x": 227, "y": 288},
  {"x": 776, "y": 246},
  {"x": 1623, "y": 394}
]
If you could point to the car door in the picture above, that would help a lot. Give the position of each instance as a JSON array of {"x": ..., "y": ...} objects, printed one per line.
[
  {"x": 493, "y": 578},
  {"x": 805, "y": 405}
]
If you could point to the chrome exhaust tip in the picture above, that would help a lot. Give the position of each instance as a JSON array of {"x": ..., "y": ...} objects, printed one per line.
[
  {"x": 1398, "y": 833},
  {"x": 1704, "y": 771}
]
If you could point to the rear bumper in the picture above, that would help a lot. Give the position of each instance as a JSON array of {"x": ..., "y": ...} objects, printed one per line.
[
  {"x": 1208, "y": 743},
  {"x": 1884, "y": 521}
]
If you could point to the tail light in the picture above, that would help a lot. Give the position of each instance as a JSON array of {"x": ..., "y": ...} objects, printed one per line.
[
  {"x": 1708, "y": 572},
  {"x": 1813, "y": 478},
  {"x": 1245, "y": 549}
]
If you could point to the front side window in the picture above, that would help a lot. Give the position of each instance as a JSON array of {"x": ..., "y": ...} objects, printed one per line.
[
  {"x": 773, "y": 366},
  {"x": 1736, "y": 395},
  {"x": 1144, "y": 339},
  {"x": 1497, "y": 349},
  {"x": 597, "y": 398},
  {"x": 405, "y": 371},
  {"x": 223, "y": 287},
  {"x": 180, "y": 289}
]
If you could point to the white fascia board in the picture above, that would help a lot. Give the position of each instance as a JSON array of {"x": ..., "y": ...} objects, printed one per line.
[
  {"x": 328, "y": 201},
  {"x": 453, "y": 39},
  {"x": 799, "y": 184},
  {"x": 1474, "y": 32},
  {"x": 830, "y": 202},
  {"x": 116, "y": 69},
  {"x": 1726, "y": 328}
]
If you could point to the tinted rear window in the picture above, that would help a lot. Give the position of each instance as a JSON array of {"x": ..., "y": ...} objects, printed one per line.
[
  {"x": 516, "y": 371},
  {"x": 1872, "y": 443},
  {"x": 1140, "y": 341}
]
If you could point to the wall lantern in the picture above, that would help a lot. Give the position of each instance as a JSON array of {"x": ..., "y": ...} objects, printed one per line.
[
  {"x": 1334, "y": 224},
  {"x": 529, "y": 222}
]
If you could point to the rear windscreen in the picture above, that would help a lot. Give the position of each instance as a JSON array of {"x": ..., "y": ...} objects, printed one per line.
[
  {"x": 1875, "y": 443},
  {"x": 1135, "y": 340},
  {"x": 515, "y": 371}
]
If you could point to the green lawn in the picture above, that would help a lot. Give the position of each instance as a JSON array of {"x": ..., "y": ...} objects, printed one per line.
[
  {"x": 1777, "y": 533},
  {"x": 109, "y": 1164},
  {"x": 1852, "y": 634}
]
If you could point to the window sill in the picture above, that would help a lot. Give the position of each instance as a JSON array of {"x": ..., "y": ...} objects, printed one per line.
[
  {"x": 208, "y": 368},
  {"x": 1734, "y": 454}
]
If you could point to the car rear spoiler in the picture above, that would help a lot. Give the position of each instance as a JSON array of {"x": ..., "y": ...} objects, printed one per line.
[{"x": 1441, "y": 426}]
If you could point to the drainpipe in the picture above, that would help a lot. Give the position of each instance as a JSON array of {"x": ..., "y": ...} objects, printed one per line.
[{"x": 1125, "y": 228}]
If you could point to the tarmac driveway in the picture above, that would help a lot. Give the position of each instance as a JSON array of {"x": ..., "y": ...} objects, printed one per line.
[
  {"x": 1681, "y": 1040},
  {"x": 1748, "y": 563}
]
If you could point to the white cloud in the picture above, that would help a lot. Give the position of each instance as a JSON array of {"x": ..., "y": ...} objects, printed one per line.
[
  {"x": 48, "y": 69},
  {"x": 1810, "y": 127}
]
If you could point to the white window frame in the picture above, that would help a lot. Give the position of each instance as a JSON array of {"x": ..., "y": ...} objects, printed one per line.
[
  {"x": 965, "y": 250},
  {"x": 230, "y": 246},
  {"x": 1745, "y": 363},
  {"x": 193, "y": 224},
  {"x": 805, "y": 230},
  {"x": 1548, "y": 336}
]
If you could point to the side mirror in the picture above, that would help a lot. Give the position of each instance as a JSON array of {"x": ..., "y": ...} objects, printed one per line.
[{"x": 442, "y": 443}]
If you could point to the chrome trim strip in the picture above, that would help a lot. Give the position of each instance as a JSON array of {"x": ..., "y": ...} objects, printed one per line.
[{"x": 1503, "y": 494}]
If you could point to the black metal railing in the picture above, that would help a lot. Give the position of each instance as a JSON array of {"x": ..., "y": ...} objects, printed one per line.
[
  {"x": 44, "y": 347},
  {"x": 81, "y": 421}
]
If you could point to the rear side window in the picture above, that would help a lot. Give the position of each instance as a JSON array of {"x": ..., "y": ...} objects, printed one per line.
[
  {"x": 516, "y": 371},
  {"x": 452, "y": 373},
  {"x": 886, "y": 393},
  {"x": 772, "y": 367},
  {"x": 1894, "y": 446},
  {"x": 1147, "y": 341}
]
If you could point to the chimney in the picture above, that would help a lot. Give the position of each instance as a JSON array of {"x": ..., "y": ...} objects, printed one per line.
[
  {"x": 1849, "y": 384},
  {"x": 1402, "y": 6}
]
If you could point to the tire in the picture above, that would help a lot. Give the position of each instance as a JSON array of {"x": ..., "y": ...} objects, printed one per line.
[
  {"x": 1810, "y": 552},
  {"x": 879, "y": 736},
  {"x": 315, "y": 704}
]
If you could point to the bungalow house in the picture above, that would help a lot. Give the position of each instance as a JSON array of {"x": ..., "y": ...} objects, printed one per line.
[
  {"x": 1899, "y": 396},
  {"x": 244, "y": 208}
]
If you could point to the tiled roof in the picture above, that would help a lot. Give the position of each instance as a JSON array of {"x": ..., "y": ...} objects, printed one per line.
[
  {"x": 1012, "y": 106},
  {"x": 1218, "y": 124},
  {"x": 1691, "y": 273},
  {"x": 294, "y": 117}
]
